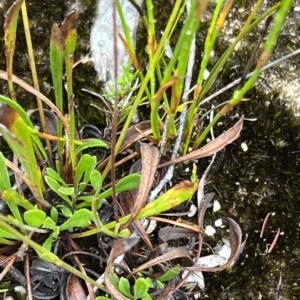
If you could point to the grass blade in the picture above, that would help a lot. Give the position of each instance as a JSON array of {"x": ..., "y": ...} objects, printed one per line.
[{"x": 10, "y": 29}]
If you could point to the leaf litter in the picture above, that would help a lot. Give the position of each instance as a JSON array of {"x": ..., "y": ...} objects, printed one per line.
[{"x": 177, "y": 240}]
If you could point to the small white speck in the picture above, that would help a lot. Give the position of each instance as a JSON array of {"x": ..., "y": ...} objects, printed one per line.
[
  {"x": 217, "y": 206},
  {"x": 244, "y": 147},
  {"x": 218, "y": 223},
  {"x": 193, "y": 210},
  {"x": 209, "y": 230},
  {"x": 20, "y": 289}
]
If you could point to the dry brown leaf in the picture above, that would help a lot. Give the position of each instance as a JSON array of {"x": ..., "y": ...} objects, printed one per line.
[
  {"x": 180, "y": 223},
  {"x": 74, "y": 289},
  {"x": 203, "y": 206},
  {"x": 150, "y": 156},
  {"x": 135, "y": 133},
  {"x": 179, "y": 252},
  {"x": 235, "y": 235},
  {"x": 174, "y": 233},
  {"x": 212, "y": 147}
]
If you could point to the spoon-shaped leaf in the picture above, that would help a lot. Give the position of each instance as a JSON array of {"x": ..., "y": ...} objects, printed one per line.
[{"x": 81, "y": 218}]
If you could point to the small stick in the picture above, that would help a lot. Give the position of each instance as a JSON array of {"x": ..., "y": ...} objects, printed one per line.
[
  {"x": 274, "y": 241},
  {"x": 27, "y": 274},
  {"x": 264, "y": 225},
  {"x": 278, "y": 287}
]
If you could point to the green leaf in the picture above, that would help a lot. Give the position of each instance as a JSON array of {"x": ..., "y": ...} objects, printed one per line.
[
  {"x": 54, "y": 214},
  {"x": 6, "y": 241},
  {"x": 57, "y": 51},
  {"x": 6, "y": 234},
  {"x": 35, "y": 217},
  {"x": 140, "y": 288},
  {"x": 13, "y": 199},
  {"x": 11, "y": 196},
  {"x": 48, "y": 242},
  {"x": 55, "y": 186},
  {"x": 86, "y": 165},
  {"x": 96, "y": 181},
  {"x": 125, "y": 233},
  {"x": 149, "y": 282},
  {"x": 113, "y": 281},
  {"x": 49, "y": 224},
  {"x": 53, "y": 174},
  {"x": 146, "y": 297},
  {"x": 81, "y": 218},
  {"x": 103, "y": 298},
  {"x": 4, "y": 176},
  {"x": 130, "y": 182},
  {"x": 170, "y": 274},
  {"x": 65, "y": 211},
  {"x": 124, "y": 287},
  {"x": 88, "y": 201},
  {"x": 68, "y": 191},
  {"x": 17, "y": 134},
  {"x": 68, "y": 29},
  {"x": 90, "y": 144},
  {"x": 160, "y": 284},
  {"x": 10, "y": 29},
  {"x": 178, "y": 194}
]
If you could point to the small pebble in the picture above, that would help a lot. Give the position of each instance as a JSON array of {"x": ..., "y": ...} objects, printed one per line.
[
  {"x": 209, "y": 230},
  {"x": 217, "y": 206},
  {"x": 218, "y": 223}
]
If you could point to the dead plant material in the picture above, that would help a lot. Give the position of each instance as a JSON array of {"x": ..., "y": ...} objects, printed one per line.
[
  {"x": 174, "y": 233},
  {"x": 120, "y": 246},
  {"x": 180, "y": 223},
  {"x": 179, "y": 252},
  {"x": 235, "y": 235},
  {"x": 134, "y": 134},
  {"x": 150, "y": 156},
  {"x": 212, "y": 147},
  {"x": 74, "y": 289}
]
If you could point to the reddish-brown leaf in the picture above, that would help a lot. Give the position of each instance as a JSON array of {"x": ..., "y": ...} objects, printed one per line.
[
  {"x": 174, "y": 233},
  {"x": 74, "y": 289},
  {"x": 150, "y": 155},
  {"x": 214, "y": 146},
  {"x": 179, "y": 252}
]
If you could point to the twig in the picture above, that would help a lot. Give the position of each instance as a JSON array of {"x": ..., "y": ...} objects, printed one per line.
[
  {"x": 274, "y": 241},
  {"x": 27, "y": 268},
  {"x": 264, "y": 225}
]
